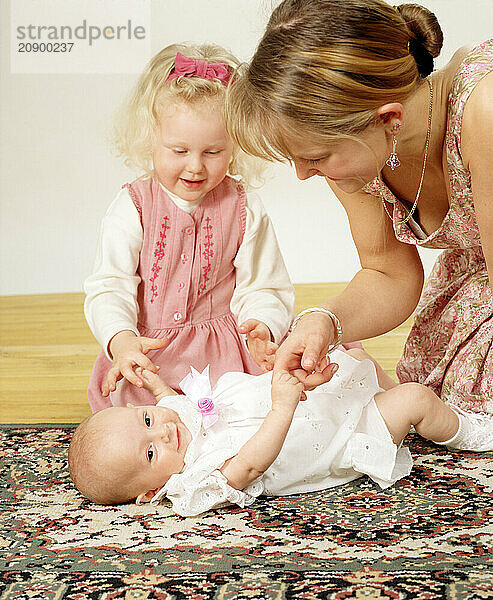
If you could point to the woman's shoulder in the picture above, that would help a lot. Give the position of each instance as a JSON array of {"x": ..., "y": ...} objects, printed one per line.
[
  {"x": 449, "y": 72},
  {"x": 458, "y": 58},
  {"x": 467, "y": 66},
  {"x": 479, "y": 109}
]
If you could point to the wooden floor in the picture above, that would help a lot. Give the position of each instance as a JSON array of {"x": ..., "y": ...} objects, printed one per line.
[{"x": 48, "y": 351}]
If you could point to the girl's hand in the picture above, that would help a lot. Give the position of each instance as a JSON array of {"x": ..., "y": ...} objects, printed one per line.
[
  {"x": 286, "y": 391},
  {"x": 129, "y": 351},
  {"x": 259, "y": 342},
  {"x": 303, "y": 352}
]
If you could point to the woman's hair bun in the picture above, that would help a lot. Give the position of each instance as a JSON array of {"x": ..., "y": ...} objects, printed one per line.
[{"x": 426, "y": 37}]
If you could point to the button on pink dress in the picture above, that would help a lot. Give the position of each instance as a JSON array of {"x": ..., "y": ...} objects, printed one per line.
[
  {"x": 187, "y": 281},
  {"x": 450, "y": 346}
]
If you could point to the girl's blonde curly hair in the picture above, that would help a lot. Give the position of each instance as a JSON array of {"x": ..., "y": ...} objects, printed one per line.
[{"x": 137, "y": 121}]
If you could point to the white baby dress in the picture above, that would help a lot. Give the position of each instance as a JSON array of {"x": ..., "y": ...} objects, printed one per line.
[{"x": 337, "y": 435}]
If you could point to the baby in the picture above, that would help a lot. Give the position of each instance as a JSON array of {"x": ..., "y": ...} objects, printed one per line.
[{"x": 251, "y": 435}]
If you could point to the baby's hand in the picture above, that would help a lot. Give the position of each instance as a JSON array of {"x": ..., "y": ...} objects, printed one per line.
[
  {"x": 152, "y": 382},
  {"x": 129, "y": 351},
  {"x": 286, "y": 390},
  {"x": 259, "y": 343}
]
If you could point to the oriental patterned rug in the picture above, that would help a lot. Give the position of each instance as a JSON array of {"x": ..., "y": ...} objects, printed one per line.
[{"x": 427, "y": 537}]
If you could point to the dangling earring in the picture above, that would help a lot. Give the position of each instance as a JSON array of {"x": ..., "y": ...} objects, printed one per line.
[{"x": 393, "y": 160}]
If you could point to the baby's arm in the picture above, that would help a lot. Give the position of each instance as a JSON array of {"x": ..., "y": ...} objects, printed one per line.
[
  {"x": 155, "y": 384},
  {"x": 257, "y": 455}
]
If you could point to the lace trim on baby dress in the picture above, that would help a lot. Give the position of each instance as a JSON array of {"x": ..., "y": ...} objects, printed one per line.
[
  {"x": 201, "y": 486},
  {"x": 191, "y": 496}
]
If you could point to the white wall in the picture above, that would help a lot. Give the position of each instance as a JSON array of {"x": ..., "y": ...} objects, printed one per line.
[{"x": 57, "y": 175}]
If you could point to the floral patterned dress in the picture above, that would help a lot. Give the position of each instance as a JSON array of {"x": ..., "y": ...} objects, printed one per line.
[{"x": 450, "y": 346}]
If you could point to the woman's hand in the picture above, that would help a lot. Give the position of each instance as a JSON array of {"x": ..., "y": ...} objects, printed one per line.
[
  {"x": 129, "y": 351},
  {"x": 303, "y": 352}
]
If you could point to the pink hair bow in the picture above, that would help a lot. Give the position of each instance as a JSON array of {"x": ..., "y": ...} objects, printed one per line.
[
  {"x": 191, "y": 67},
  {"x": 197, "y": 387}
]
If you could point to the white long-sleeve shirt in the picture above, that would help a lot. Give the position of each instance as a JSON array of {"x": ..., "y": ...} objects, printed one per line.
[{"x": 263, "y": 289}]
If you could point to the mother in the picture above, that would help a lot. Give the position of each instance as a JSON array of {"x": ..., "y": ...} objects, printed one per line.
[{"x": 345, "y": 89}]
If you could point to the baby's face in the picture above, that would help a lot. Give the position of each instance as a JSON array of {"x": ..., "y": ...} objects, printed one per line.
[{"x": 147, "y": 442}]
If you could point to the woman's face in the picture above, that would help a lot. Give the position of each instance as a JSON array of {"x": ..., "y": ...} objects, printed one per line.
[{"x": 350, "y": 164}]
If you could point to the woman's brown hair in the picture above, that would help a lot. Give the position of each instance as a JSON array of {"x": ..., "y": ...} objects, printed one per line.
[{"x": 323, "y": 67}]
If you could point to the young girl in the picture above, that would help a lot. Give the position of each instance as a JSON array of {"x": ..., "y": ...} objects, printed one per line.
[
  {"x": 184, "y": 253},
  {"x": 248, "y": 437}
]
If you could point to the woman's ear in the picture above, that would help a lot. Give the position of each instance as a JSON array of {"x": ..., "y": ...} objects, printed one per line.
[
  {"x": 146, "y": 497},
  {"x": 391, "y": 113}
]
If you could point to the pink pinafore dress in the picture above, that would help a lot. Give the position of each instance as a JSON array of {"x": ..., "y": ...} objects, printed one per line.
[
  {"x": 450, "y": 346},
  {"x": 187, "y": 282}
]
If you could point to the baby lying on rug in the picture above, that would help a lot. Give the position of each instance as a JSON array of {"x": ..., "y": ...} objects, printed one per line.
[{"x": 251, "y": 435}]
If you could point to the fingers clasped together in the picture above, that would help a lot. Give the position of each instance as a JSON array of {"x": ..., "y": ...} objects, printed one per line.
[
  {"x": 129, "y": 351},
  {"x": 303, "y": 353}
]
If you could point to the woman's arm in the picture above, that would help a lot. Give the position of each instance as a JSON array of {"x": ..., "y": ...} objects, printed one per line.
[
  {"x": 384, "y": 293},
  {"x": 379, "y": 297},
  {"x": 477, "y": 152},
  {"x": 261, "y": 450}
]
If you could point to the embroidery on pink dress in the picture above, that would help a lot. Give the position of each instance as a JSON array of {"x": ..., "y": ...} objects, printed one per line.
[
  {"x": 207, "y": 254},
  {"x": 242, "y": 213},
  {"x": 158, "y": 256}
]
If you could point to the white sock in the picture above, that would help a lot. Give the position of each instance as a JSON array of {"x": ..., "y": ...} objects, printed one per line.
[{"x": 475, "y": 432}]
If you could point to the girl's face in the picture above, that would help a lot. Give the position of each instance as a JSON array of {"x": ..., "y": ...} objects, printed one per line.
[
  {"x": 348, "y": 163},
  {"x": 192, "y": 151}
]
